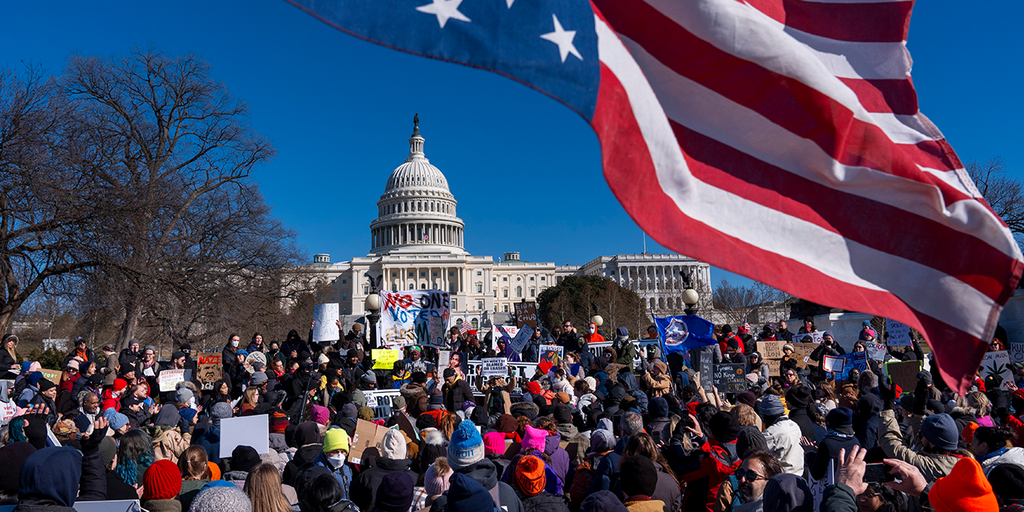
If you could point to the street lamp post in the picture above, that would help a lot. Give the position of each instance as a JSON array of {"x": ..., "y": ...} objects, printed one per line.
[
  {"x": 597, "y": 319},
  {"x": 373, "y": 306},
  {"x": 690, "y": 296}
]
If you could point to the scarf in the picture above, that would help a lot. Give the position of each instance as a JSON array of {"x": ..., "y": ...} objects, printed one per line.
[{"x": 837, "y": 434}]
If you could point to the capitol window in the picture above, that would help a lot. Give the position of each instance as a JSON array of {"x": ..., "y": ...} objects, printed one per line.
[
  {"x": 423, "y": 286},
  {"x": 533, "y": 292},
  {"x": 504, "y": 292},
  {"x": 394, "y": 287},
  {"x": 479, "y": 273},
  {"x": 344, "y": 295},
  {"x": 519, "y": 291},
  {"x": 474, "y": 322},
  {"x": 506, "y": 308},
  {"x": 435, "y": 274},
  {"x": 412, "y": 287},
  {"x": 480, "y": 306},
  {"x": 423, "y": 274},
  {"x": 504, "y": 279},
  {"x": 479, "y": 288},
  {"x": 412, "y": 274},
  {"x": 531, "y": 278}
]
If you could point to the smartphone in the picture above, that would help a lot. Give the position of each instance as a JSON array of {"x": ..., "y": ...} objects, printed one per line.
[{"x": 878, "y": 472}]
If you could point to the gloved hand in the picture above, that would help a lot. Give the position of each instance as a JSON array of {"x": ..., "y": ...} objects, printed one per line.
[
  {"x": 921, "y": 395},
  {"x": 888, "y": 395}
]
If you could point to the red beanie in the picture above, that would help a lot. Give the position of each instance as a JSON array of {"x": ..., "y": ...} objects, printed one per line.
[
  {"x": 530, "y": 475},
  {"x": 120, "y": 384},
  {"x": 162, "y": 481},
  {"x": 965, "y": 489}
]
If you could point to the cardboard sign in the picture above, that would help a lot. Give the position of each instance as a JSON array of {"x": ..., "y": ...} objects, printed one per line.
[
  {"x": 168, "y": 379},
  {"x": 876, "y": 351},
  {"x": 519, "y": 342},
  {"x": 899, "y": 333},
  {"x": 997, "y": 364},
  {"x": 384, "y": 359},
  {"x": 526, "y": 314},
  {"x": 774, "y": 367},
  {"x": 51, "y": 375},
  {"x": 834, "y": 364},
  {"x": 251, "y": 431},
  {"x": 770, "y": 349},
  {"x": 209, "y": 368},
  {"x": 324, "y": 318},
  {"x": 904, "y": 373},
  {"x": 494, "y": 367},
  {"x": 730, "y": 377},
  {"x": 802, "y": 354},
  {"x": 551, "y": 354},
  {"x": 367, "y": 435},
  {"x": 405, "y": 316},
  {"x": 707, "y": 370}
]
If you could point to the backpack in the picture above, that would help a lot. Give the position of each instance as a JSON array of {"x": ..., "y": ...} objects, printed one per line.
[{"x": 581, "y": 480}]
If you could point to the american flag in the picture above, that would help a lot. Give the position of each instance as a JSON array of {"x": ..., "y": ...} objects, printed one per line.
[
  {"x": 778, "y": 139},
  {"x": 463, "y": 327}
]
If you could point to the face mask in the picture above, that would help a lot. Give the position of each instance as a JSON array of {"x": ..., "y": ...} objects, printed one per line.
[
  {"x": 337, "y": 460},
  {"x": 592, "y": 331},
  {"x": 234, "y": 343}
]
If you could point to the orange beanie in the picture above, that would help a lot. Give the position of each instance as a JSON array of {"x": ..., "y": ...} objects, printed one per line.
[
  {"x": 530, "y": 475},
  {"x": 214, "y": 471},
  {"x": 965, "y": 489},
  {"x": 968, "y": 432}
]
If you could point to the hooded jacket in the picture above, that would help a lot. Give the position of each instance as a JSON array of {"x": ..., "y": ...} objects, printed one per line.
[
  {"x": 783, "y": 438},
  {"x": 50, "y": 479},
  {"x": 364, "y": 488},
  {"x": 932, "y": 466},
  {"x": 485, "y": 473}
]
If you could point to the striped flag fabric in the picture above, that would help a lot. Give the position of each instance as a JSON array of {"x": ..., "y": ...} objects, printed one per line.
[
  {"x": 463, "y": 327},
  {"x": 778, "y": 139}
]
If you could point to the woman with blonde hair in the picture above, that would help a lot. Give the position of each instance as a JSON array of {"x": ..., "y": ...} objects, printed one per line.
[
  {"x": 10, "y": 363},
  {"x": 982, "y": 407},
  {"x": 667, "y": 487},
  {"x": 195, "y": 473},
  {"x": 250, "y": 399},
  {"x": 263, "y": 485}
]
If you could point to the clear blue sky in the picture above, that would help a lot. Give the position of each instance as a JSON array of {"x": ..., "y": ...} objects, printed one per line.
[{"x": 525, "y": 170}]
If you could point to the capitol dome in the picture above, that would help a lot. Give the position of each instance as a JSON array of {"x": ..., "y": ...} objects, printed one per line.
[{"x": 416, "y": 213}]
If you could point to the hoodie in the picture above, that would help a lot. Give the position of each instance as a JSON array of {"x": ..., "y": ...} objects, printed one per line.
[
  {"x": 49, "y": 480},
  {"x": 485, "y": 473}
]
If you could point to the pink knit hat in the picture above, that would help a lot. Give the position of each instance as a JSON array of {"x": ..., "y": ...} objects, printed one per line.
[
  {"x": 494, "y": 442},
  {"x": 534, "y": 438},
  {"x": 434, "y": 484},
  {"x": 320, "y": 414}
]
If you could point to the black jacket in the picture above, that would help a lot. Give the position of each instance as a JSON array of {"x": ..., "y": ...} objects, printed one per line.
[
  {"x": 455, "y": 395},
  {"x": 544, "y": 502},
  {"x": 364, "y": 488},
  {"x": 828, "y": 449},
  {"x": 485, "y": 473}
]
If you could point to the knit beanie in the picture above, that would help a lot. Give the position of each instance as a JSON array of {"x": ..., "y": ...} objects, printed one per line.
[
  {"x": 940, "y": 430},
  {"x": 395, "y": 492},
  {"x": 183, "y": 395},
  {"x": 335, "y": 439},
  {"x": 840, "y": 419},
  {"x": 466, "y": 447},
  {"x": 219, "y": 411},
  {"x": 120, "y": 384},
  {"x": 467, "y": 495},
  {"x": 771, "y": 406},
  {"x": 747, "y": 397},
  {"x": 637, "y": 476},
  {"x": 965, "y": 488},
  {"x": 1007, "y": 481},
  {"x": 798, "y": 397},
  {"x": 435, "y": 481},
  {"x": 320, "y": 414},
  {"x": 787, "y": 492},
  {"x": 217, "y": 498},
  {"x": 602, "y": 501},
  {"x": 749, "y": 439},
  {"x": 349, "y": 411},
  {"x": 45, "y": 384},
  {"x": 724, "y": 427},
  {"x": 244, "y": 458},
  {"x": 658, "y": 407},
  {"x": 534, "y": 438},
  {"x": 12, "y": 456},
  {"x": 393, "y": 445},
  {"x": 601, "y": 441},
  {"x": 116, "y": 419},
  {"x": 507, "y": 424},
  {"x": 108, "y": 448},
  {"x": 494, "y": 443},
  {"x": 529, "y": 475},
  {"x": 162, "y": 481},
  {"x": 365, "y": 414}
]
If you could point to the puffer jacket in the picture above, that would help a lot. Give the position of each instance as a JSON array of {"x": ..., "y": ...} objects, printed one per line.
[
  {"x": 783, "y": 438},
  {"x": 932, "y": 466}
]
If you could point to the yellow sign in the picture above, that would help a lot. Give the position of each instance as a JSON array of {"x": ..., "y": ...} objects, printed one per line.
[{"x": 384, "y": 359}]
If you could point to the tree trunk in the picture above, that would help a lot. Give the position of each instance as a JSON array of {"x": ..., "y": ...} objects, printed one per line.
[
  {"x": 5, "y": 320},
  {"x": 133, "y": 313}
]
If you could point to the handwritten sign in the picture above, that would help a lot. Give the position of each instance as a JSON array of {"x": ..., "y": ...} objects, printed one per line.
[
  {"x": 384, "y": 358},
  {"x": 770, "y": 349},
  {"x": 903, "y": 373},
  {"x": 834, "y": 364},
  {"x": 526, "y": 314},
  {"x": 774, "y": 367},
  {"x": 997, "y": 364},
  {"x": 809, "y": 337},
  {"x": 876, "y": 351},
  {"x": 1017, "y": 351},
  {"x": 168, "y": 379},
  {"x": 899, "y": 333},
  {"x": 494, "y": 367},
  {"x": 324, "y": 328},
  {"x": 405, "y": 316},
  {"x": 707, "y": 370},
  {"x": 443, "y": 356},
  {"x": 730, "y": 377},
  {"x": 522, "y": 337},
  {"x": 51, "y": 375},
  {"x": 209, "y": 368},
  {"x": 367, "y": 435},
  {"x": 435, "y": 326},
  {"x": 802, "y": 353},
  {"x": 551, "y": 354}
]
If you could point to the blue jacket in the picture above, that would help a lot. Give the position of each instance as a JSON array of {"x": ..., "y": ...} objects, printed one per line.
[
  {"x": 343, "y": 474},
  {"x": 211, "y": 441}
]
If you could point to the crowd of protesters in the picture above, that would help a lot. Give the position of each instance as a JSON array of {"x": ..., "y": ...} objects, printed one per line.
[{"x": 604, "y": 430}]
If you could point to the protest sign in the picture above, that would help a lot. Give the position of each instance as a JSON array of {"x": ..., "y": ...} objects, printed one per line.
[
  {"x": 51, "y": 375},
  {"x": 1017, "y": 351},
  {"x": 526, "y": 314},
  {"x": 770, "y": 349},
  {"x": 858, "y": 360},
  {"x": 443, "y": 356},
  {"x": 168, "y": 379},
  {"x": 508, "y": 332},
  {"x": 904, "y": 373},
  {"x": 809, "y": 337},
  {"x": 384, "y": 358},
  {"x": 256, "y": 357},
  {"x": 707, "y": 371},
  {"x": 245, "y": 431},
  {"x": 324, "y": 318},
  {"x": 494, "y": 367},
  {"x": 435, "y": 326},
  {"x": 730, "y": 377},
  {"x": 367, "y": 435},
  {"x": 519, "y": 342},
  {"x": 876, "y": 351},
  {"x": 997, "y": 364},
  {"x": 817, "y": 487},
  {"x": 551, "y": 354},
  {"x": 834, "y": 364},
  {"x": 405, "y": 316},
  {"x": 774, "y": 367},
  {"x": 209, "y": 368},
  {"x": 899, "y": 333}
]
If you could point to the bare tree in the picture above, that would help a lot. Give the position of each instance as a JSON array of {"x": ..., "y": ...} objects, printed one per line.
[
  {"x": 1004, "y": 194},
  {"x": 757, "y": 303}
]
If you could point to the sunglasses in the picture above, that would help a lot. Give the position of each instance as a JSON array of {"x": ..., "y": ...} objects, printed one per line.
[{"x": 749, "y": 475}]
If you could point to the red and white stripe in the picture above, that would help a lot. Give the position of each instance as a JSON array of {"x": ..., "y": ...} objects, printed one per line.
[{"x": 781, "y": 140}]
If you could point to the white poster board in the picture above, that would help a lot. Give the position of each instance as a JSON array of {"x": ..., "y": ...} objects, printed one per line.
[
  {"x": 816, "y": 337},
  {"x": 494, "y": 367},
  {"x": 997, "y": 363},
  {"x": 834, "y": 364},
  {"x": 519, "y": 342},
  {"x": 256, "y": 357},
  {"x": 899, "y": 333},
  {"x": 437, "y": 334},
  {"x": 168, "y": 379},
  {"x": 876, "y": 351},
  {"x": 443, "y": 358},
  {"x": 324, "y": 328},
  {"x": 251, "y": 431},
  {"x": 405, "y": 316}
]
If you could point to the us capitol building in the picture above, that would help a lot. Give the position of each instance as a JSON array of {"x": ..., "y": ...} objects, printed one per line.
[{"x": 417, "y": 243}]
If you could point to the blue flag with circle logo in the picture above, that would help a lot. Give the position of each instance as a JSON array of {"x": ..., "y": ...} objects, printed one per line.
[{"x": 684, "y": 332}]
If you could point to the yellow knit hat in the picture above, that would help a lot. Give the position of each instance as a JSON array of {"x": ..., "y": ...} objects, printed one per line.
[{"x": 335, "y": 439}]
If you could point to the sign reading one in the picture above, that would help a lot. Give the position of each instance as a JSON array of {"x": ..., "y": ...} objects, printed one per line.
[
  {"x": 405, "y": 316},
  {"x": 526, "y": 314}
]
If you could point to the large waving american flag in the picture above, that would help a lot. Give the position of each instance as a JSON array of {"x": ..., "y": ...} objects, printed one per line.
[{"x": 778, "y": 139}]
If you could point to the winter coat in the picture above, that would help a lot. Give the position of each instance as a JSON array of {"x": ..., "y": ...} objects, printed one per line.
[
  {"x": 625, "y": 349},
  {"x": 544, "y": 502},
  {"x": 6, "y": 362},
  {"x": 189, "y": 490},
  {"x": 932, "y": 466},
  {"x": 839, "y": 498},
  {"x": 171, "y": 505},
  {"x": 343, "y": 475},
  {"x": 485, "y": 473},
  {"x": 645, "y": 506},
  {"x": 456, "y": 394},
  {"x": 570, "y": 434},
  {"x": 662, "y": 425},
  {"x": 704, "y": 472},
  {"x": 659, "y": 386},
  {"x": 783, "y": 438},
  {"x": 1002, "y": 456},
  {"x": 828, "y": 449},
  {"x": 800, "y": 417},
  {"x": 364, "y": 488},
  {"x": 303, "y": 457},
  {"x": 211, "y": 441},
  {"x": 667, "y": 490}
]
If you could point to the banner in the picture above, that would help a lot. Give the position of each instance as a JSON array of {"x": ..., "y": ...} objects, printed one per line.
[
  {"x": 405, "y": 316},
  {"x": 997, "y": 364},
  {"x": 526, "y": 314},
  {"x": 209, "y": 368},
  {"x": 324, "y": 318},
  {"x": 683, "y": 333},
  {"x": 519, "y": 342},
  {"x": 168, "y": 379},
  {"x": 899, "y": 333},
  {"x": 384, "y": 359},
  {"x": 494, "y": 367}
]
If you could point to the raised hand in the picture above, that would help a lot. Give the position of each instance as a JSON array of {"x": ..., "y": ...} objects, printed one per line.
[{"x": 851, "y": 469}]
